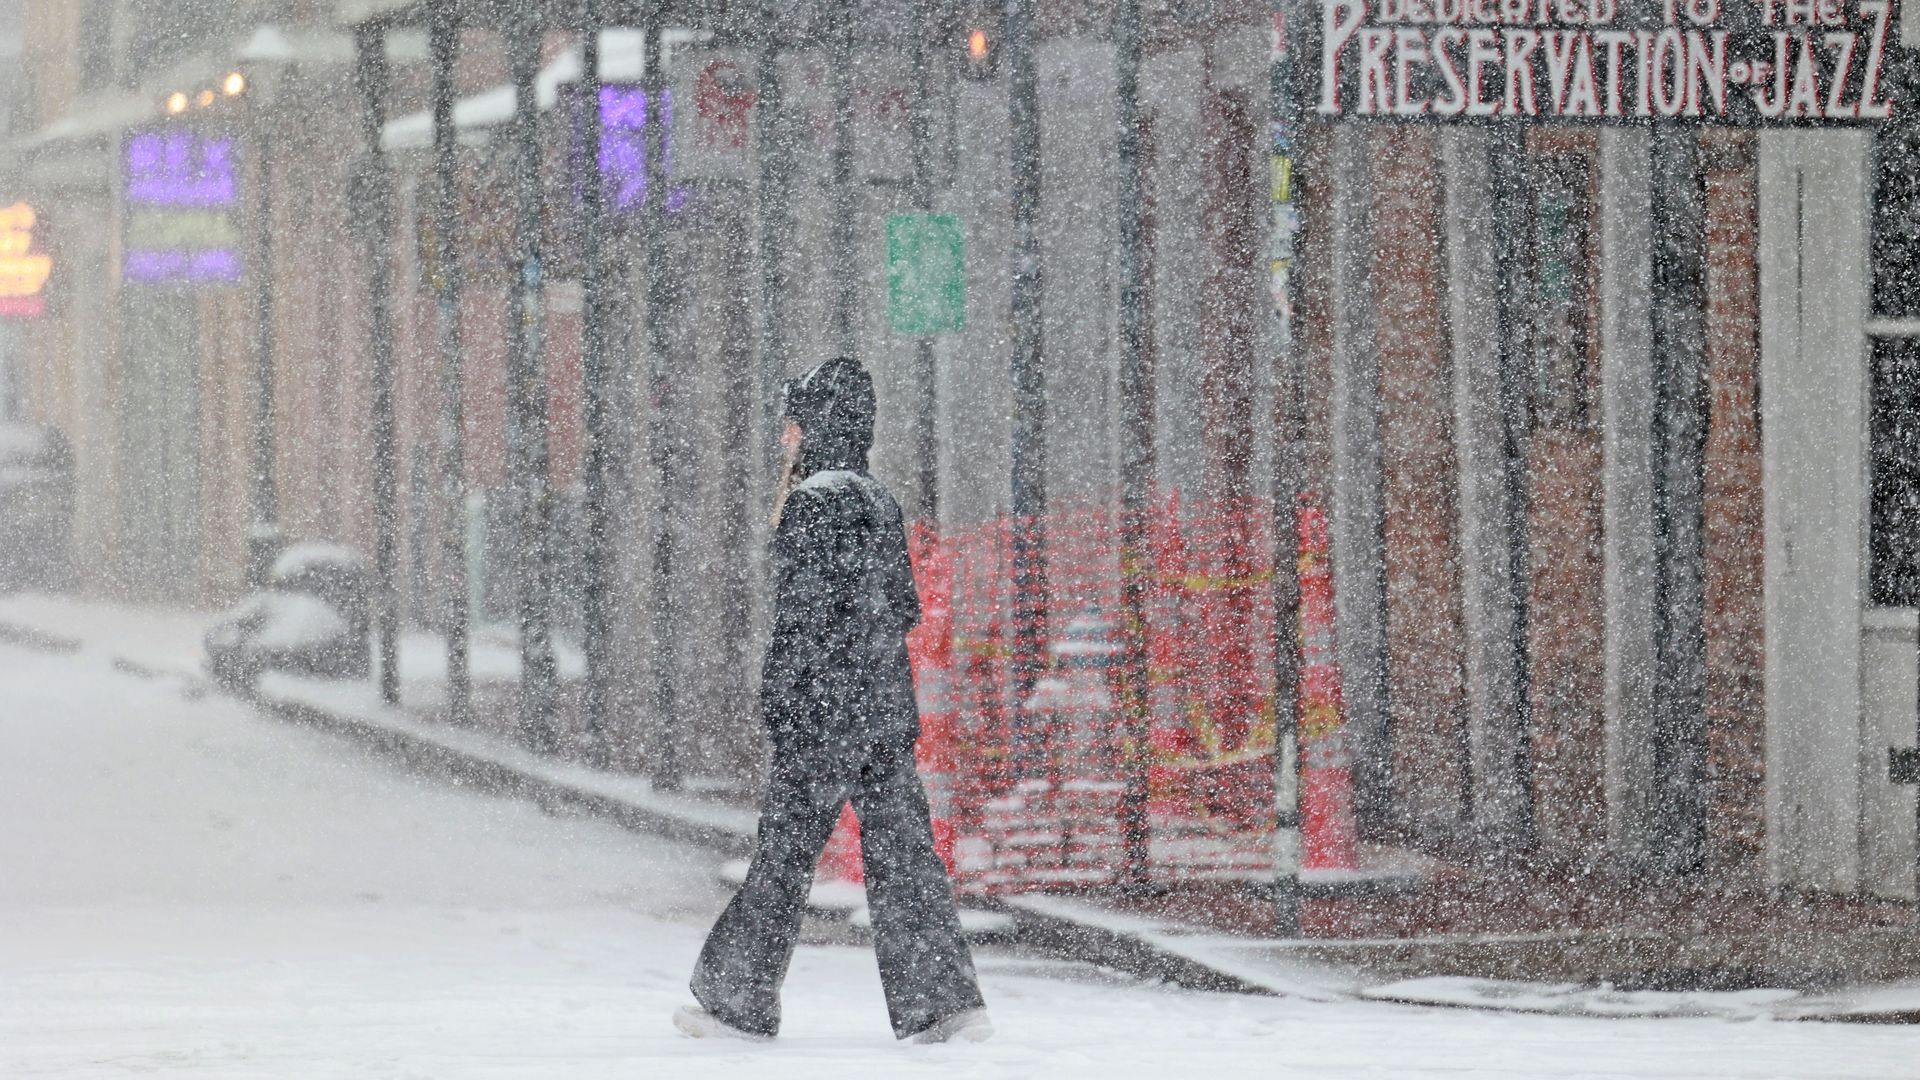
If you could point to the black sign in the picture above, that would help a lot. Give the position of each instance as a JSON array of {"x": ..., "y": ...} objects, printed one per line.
[{"x": 1746, "y": 63}]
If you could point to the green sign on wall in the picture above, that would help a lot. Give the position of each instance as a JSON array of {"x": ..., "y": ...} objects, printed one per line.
[{"x": 926, "y": 274}]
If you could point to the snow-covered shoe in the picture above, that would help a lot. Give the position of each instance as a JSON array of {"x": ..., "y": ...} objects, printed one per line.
[
  {"x": 969, "y": 1026},
  {"x": 698, "y": 1023}
]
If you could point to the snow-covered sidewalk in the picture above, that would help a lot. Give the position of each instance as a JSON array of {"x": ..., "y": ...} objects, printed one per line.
[
  {"x": 189, "y": 889},
  {"x": 167, "y": 642}
]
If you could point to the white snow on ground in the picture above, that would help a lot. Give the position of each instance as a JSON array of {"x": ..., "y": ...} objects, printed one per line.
[
  {"x": 169, "y": 639},
  {"x": 190, "y": 889},
  {"x": 1576, "y": 999},
  {"x": 1900, "y": 999},
  {"x": 158, "y": 638},
  {"x": 360, "y": 702}
]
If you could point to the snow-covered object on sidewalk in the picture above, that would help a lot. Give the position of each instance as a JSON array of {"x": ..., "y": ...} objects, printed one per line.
[
  {"x": 36, "y": 506},
  {"x": 977, "y": 923},
  {"x": 309, "y": 556},
  {"x": 277, "y": 620},
  {"x": 313, "y": 617}
]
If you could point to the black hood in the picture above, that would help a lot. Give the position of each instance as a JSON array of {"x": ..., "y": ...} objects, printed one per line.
[{"x": 833, "y": 404}]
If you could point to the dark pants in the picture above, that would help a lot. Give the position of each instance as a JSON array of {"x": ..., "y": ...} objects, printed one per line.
[{"x": 925, "y": 968}]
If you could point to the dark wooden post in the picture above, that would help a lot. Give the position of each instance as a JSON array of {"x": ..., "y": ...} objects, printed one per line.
[
  {"x": 774, "y": 165},
  {"x": 1029, "y": 436},
  {"x": 527, "y": 393},
  {"x": 443, "y": 53},
  {"x": 263, "y": 538},
  {"x": 598, "y": 389},
  {"x": 1679, "y": 510},
  {"x": 375, "y": 200},
  {"x": 665, "y": 766},
  {"x": 1289, "y": 476},
  {"x": 1136, "y": 446}
]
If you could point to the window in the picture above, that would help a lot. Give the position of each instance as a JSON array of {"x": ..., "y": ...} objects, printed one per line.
[
  {"x": 1562, "y": 272},
  {"x": 1893, "y": 568}
]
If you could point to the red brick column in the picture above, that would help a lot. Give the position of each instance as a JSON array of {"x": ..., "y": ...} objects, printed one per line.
[
  {"x": 1425, "y": 637},
  {"x": 1566, "y": 603},
  {"x": 1313, "y": 318},
  {"x": 1229, "y": 212},
  {"x": 1565, "y": 637},
  {"x": 1735, "y": 616}
]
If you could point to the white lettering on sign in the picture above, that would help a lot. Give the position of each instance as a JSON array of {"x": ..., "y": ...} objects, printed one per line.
[{"x": 1805, "y": 61}]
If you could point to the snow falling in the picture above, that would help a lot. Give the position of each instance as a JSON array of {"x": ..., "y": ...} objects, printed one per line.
[{"x": 1124, "y": 538}]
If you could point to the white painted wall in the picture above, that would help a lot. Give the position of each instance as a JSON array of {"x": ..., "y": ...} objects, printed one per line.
[
  {"x": 1626, "y": 431},
  {"x": 1813, "y": 380},
  {"x": 1495, "y": 739}
]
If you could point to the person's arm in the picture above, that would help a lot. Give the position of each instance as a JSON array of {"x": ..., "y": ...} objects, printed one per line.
[
  {"x": 811, "y": 645},
  {"x": 903, "y": 596}
]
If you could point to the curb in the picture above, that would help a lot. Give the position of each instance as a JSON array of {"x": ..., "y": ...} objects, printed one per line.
[
  {"x": 38, "y": 640},
  {"x": 493, "y": 774},
  {"x": 1065, "y": 937}
]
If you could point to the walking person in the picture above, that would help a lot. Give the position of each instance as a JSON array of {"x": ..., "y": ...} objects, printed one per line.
[{"x": 838, "y": 702}]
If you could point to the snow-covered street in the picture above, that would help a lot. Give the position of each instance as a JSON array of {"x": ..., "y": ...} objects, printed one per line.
[{"x": 188, "y": 888}]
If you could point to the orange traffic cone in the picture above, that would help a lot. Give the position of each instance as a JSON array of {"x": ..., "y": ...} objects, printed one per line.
[
  {"x": 930, "y": 649},
  {"x": 1326, "y": 768},
  {"x": 841, "y": 858}
]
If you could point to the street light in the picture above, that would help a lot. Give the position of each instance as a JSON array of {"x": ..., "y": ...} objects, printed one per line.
[
  {"x": 177, "y": 102},
  {"x": 235, "y": 84},
  {"x": 983, "y": 54}
]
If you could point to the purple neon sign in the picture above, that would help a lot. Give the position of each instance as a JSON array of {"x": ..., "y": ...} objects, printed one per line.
[
  {"x": 623, "y": 147},
  {"x": 157, "y": 266},
  {"x": 180, "y": 168},
  {"x": 181, "y": 184}
]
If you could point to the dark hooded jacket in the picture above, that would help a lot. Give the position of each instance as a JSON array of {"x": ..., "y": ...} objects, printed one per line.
[{"x": 836, "y": 677}]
